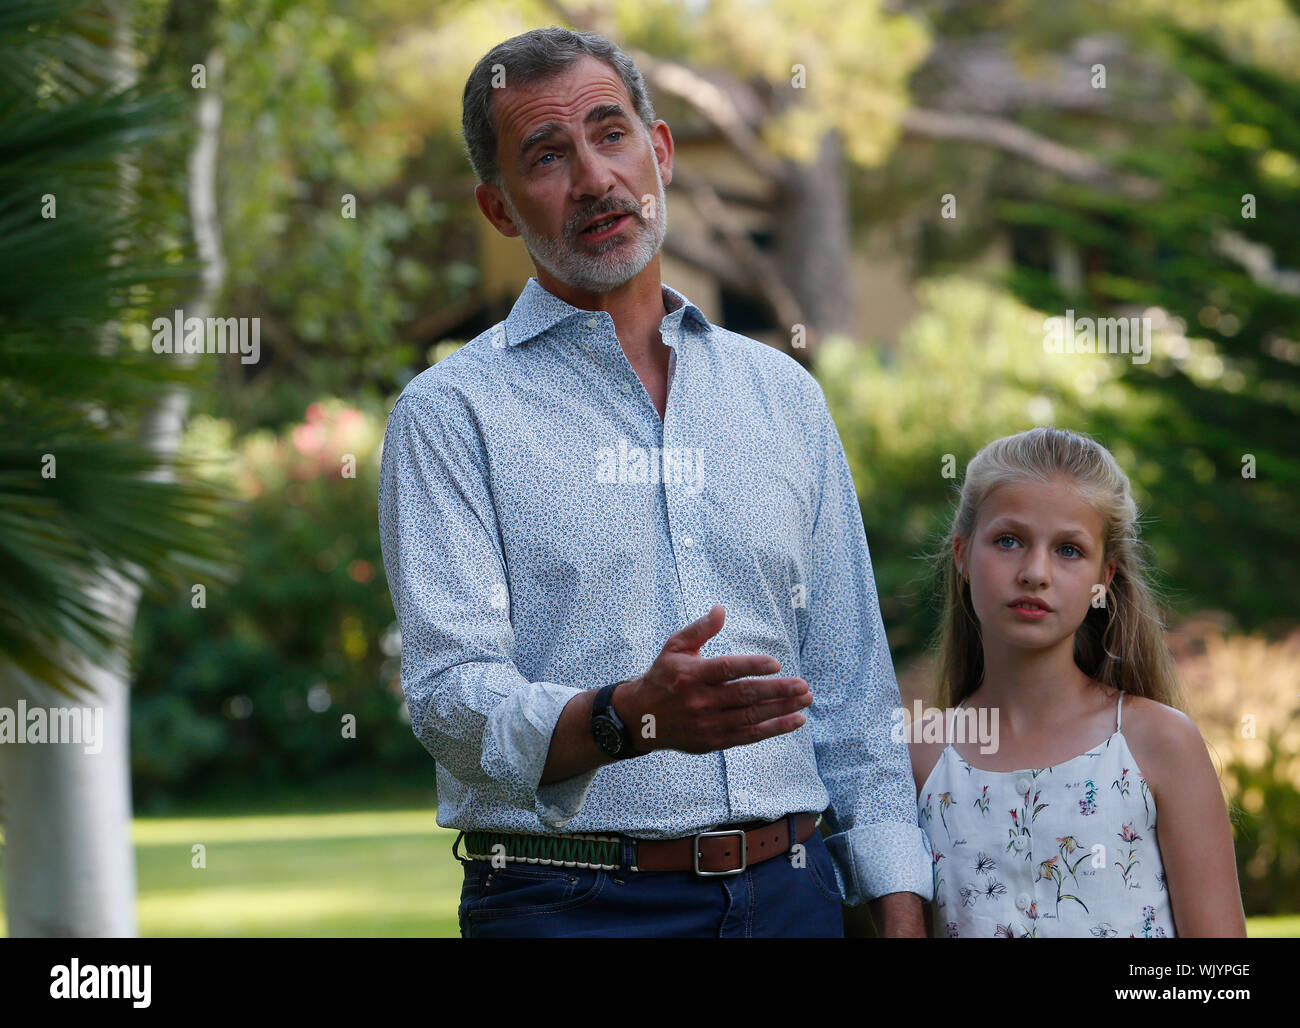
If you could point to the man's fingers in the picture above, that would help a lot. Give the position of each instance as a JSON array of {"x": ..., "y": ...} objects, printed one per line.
[
  {"x": 697, "y": 633},
  {"x": 759, "y": 713},
  {"x": 741, "y": 726},
  {"x": 719, "y": 670},
  {"x": 748, "y": 692},
  {"x": 765, "y": 730}
]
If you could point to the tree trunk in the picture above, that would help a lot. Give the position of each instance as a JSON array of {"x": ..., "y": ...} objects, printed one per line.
[
  {"x": 69, "y": 862},
  {"x": 813, "y": 241}
]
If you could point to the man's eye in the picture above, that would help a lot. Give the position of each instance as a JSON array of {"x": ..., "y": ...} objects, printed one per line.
[
  {"x": 543, "y": 157},
  {"x": 615, "y": 132}
]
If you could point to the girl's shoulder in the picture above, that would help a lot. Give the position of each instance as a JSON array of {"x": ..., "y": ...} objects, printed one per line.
[
  {"x": 925, "y": 756},
  {"x": 1161, "y": 738}
]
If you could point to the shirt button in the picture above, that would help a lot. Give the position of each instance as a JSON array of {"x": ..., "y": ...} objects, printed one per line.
[
  {"x": 742, "y": 797},
  {"x": 625, "y": 388},
  {"x": 1019, "y": 843},
  {"x": 593, "y": 322},
  {"x": 688, "y": 542},
  {"x": 1022, "y": 901},
  {"x": 1022, "y": 786}
]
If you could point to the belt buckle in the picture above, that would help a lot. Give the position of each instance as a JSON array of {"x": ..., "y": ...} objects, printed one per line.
[{"x": 744, "y": 852}]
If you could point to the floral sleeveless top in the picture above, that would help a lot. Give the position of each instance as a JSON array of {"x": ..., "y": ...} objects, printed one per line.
[{"x": 1062, "y": 851}]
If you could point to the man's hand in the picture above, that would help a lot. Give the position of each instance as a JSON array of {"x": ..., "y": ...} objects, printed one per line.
[
  {"x": 697, "y": 705},
  {"x": 700, "y": 704}
]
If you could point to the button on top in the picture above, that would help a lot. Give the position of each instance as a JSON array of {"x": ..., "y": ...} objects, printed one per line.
[
  {"x": 688, "y": 542},
  {"x": 1022, "y": 786}
]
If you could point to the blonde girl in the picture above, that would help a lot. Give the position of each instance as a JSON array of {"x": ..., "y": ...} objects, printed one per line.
[{"x": 1098, "y": 812}]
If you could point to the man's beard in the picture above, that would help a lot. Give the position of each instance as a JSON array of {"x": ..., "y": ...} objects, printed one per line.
[{"x": 605, "y": 265}]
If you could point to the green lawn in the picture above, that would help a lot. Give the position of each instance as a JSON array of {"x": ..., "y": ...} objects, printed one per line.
[
  {"x": 360, "y": 869},
  {"x": 334, "y": 867}
]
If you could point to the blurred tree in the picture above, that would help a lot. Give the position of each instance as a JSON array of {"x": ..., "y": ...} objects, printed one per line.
[
  {"x": 92, "y": 509},
  {"x": 1217, "y": 254},
  {"x": 1196, "y": 129}
]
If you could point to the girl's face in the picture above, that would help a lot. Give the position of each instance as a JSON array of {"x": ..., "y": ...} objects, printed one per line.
[{"x": 1033, "y": 561}]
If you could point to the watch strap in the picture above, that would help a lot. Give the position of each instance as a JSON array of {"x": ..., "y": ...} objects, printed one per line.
[{"x": 603, "y": 710}]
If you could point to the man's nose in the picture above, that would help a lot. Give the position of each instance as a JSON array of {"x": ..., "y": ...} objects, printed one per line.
[{"x": 592, "y": 175}]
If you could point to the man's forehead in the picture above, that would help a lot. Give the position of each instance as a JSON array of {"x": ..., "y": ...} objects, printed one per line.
[{"x": 566, "y": 96}]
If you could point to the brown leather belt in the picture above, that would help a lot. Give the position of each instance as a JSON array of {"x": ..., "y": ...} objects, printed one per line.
[
  {"x": 727, "y": 850},
  {"x": 724, "y": 851}
]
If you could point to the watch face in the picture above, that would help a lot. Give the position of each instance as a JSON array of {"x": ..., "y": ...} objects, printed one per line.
[{"x": 608, "y": 737}]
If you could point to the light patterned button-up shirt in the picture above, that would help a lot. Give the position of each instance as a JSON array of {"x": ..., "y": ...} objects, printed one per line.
[{"x": 544, "y": 532}]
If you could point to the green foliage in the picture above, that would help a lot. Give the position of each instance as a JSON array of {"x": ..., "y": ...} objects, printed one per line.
[
  {"x": 855, "y": 60},
  {"x": 254, "y": 685},
  {"x": 1242, "y": 690},
  {"x": 971, "y": 367},
  {"x": 1194, "y": 254},
  {"x": 1268, "y": 861},
  {"x": 79, "y": 494},
  {"x": 333, "y": 235}
]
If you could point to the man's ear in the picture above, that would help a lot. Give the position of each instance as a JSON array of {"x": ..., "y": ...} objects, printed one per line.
[
  {"x": 492, "y": 203},
  {"x": 661, "y": 140}
]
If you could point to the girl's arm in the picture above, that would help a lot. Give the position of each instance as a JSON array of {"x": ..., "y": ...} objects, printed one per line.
[
  {"x": 1191, "y": 821},
  {"x": 924, "y": 756}
]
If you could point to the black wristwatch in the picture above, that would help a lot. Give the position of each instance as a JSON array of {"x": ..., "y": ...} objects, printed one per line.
[{"x": 610, "y": 733}]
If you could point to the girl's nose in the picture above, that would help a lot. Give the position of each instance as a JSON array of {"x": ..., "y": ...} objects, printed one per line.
[{"x": 1034, "y": 571}]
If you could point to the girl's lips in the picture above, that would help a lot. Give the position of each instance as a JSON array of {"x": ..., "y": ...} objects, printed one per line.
[{"x": 1029, "y": 613}]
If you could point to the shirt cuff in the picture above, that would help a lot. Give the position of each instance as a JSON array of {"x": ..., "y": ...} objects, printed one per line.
[
  {"x": 515, "y": 746},
  {"x": 874, "y": 860}
]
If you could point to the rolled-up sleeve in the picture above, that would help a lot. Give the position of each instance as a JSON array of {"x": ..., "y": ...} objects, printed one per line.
[
  {"x": 876, "y": 844},
  {"x": 471, "y": 708}
]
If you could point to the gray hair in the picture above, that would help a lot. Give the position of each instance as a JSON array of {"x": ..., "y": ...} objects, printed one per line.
[{"x": 535, "y": 56}]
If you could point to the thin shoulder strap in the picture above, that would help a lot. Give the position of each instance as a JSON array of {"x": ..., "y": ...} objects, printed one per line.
[{"x": 1119, "y": 707}]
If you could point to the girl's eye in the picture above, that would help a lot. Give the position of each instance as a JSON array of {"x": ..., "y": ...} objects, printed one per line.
[
  {"x": 999, "y": 539},
  {"x": 1071, "y": 546}
]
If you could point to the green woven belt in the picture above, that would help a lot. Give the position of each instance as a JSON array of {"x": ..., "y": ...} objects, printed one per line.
[{"x": 593, "y": 851}]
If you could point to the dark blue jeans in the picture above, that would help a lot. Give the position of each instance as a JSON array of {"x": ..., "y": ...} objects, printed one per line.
[{"x": 773, "y": 899}]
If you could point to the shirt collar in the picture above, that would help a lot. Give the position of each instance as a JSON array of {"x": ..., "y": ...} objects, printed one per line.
[{"x": 537, "y": 310}]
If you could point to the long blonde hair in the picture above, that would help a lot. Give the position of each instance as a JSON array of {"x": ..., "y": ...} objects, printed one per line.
[{"x": 1120, "y": 644}]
